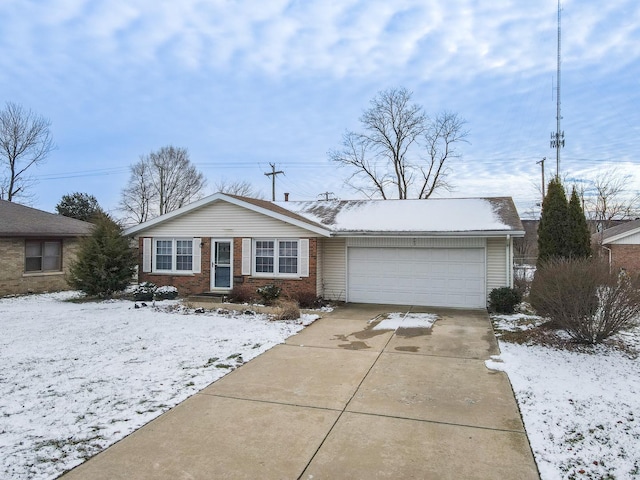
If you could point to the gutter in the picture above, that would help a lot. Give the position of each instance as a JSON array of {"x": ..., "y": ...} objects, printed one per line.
[{"x": 474, "y": 233}]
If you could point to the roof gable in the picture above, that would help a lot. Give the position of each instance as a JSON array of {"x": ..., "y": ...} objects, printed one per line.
[
  {"x": 21, "y": 221},
  {"x": 260, "y": 206}
]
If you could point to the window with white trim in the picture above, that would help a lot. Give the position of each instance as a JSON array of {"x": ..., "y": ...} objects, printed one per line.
[
  {"x": 276, "y": 257},
  {"x": 173, "y": 255}
]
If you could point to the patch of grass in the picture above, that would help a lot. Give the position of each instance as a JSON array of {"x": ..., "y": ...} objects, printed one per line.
[{"x": 211, "y": 361}]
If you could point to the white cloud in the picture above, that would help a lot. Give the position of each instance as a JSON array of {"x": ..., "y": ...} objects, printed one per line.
[{"x": 356, "y": 38}]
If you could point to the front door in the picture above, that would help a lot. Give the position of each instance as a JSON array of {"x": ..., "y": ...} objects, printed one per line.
[{"x": 221, "y": 265}]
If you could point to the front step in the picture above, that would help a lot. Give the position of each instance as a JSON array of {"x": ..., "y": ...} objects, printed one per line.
[{"x": 212, "y": 297}]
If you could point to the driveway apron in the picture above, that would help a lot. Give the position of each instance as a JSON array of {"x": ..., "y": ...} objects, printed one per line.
[{"x": 341, "y": 400}]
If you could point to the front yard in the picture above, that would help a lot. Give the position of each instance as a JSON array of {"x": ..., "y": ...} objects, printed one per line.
[
  {"x": 580, "y": 405},
  {"x": 77, "y": 377}
]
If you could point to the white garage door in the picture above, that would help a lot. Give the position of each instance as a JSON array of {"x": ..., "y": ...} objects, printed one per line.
[{"x": 445, "y": 277}]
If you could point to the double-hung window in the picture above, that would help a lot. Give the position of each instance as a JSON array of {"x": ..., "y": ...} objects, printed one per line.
[
  {"x": 173, "y": 255},
  {"x": 43, "y": 256},
  {"x": 276, "y": 257},
  {"x": 288, "y": 257}
]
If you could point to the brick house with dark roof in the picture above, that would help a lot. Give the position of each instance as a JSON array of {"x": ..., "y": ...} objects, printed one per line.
[
  {"x": 36, "y": 248},
  {"x": 621, "y": 244}
]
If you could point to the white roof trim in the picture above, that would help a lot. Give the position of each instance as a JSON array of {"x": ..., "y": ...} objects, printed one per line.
[
  {"x": 620, "y": 236},
  {"x": 225, "y": 198}
]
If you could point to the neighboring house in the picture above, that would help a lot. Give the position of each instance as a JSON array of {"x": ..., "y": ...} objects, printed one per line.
[
  {"x": 442, "y": 252},
  {"x": 622, "y": 245},
  {"x": 36, "y": 248}
]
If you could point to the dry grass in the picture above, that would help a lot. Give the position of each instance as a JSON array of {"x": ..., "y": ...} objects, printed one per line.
[{"x": 286, "y": 310}]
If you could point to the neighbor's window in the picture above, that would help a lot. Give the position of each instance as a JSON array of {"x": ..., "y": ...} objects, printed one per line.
[
  {"x": 276, "y": 257},
  {"x": 174, "y": 255},
  {"x": 43, "y": 256}
]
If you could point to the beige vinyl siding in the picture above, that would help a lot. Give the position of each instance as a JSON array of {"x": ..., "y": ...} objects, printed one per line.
[
  {"x": 225, "y": 220},
  {"x": 496, "y": 263},
  {"x": 319, "y": 266},
  {"x": 334, "y": 273}
]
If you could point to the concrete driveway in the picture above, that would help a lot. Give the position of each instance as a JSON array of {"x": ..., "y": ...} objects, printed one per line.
[{"x": 340, "y": 400}]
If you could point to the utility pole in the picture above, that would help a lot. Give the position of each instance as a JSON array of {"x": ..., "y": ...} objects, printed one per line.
[
  {"x": 557, "y": 138},
  {"x": 325, "y": 195},
  {"x": 273, "y": 174},
  {"x": 541, "y": 163}
]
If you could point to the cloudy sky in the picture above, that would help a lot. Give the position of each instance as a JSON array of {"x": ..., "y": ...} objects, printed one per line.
[{"x": 244, "y": 84}]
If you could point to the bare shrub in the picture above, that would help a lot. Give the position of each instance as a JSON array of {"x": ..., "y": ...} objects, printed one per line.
[
  {"x": 243, "y": 294},
  {"x": 522, "y": 277},
  {"x": 286, "y": 310},
  {"x": 307, "y": 299},
  {"x": 584, "y": 298}
]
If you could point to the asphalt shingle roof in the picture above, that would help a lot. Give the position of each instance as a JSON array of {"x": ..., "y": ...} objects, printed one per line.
[
  {"x": 20, "y": 221},
  {"x": 619, "y": 229}
]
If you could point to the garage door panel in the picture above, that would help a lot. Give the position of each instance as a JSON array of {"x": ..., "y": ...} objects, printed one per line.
[{"x": 420, "y": 276}]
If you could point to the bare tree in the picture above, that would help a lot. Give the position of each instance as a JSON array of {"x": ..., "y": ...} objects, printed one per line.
[
  {"x": 442, "y": 136},
  {"x": 161, "y": 182},
  {"x": 388, "y": 155},
  {"x": 25, "y": 141},
  {"x": 241, "y": 188},
  {"x": 354, "y": 154},
  {"x": 607, "y": 198},
  {"x": 138, "y": 196}
]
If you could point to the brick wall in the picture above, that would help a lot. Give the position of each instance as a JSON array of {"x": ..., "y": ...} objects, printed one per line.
[
  {"x": 626, "y": 256},
  {"x": 13, "y": 279},
  {"x": 200, "y": 283},
  {"x": 289, "y": 286},
  {"x": 188, "y": 284}
]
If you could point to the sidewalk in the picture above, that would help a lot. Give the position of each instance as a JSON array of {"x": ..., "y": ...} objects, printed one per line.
[{"x": 340, "y": 400}]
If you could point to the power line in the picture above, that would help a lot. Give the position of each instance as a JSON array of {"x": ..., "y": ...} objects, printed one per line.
[{"x": 326, "y": 195}]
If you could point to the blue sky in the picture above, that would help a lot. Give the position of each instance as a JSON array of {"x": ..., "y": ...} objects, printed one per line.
[{"x": 244, "y": 84}]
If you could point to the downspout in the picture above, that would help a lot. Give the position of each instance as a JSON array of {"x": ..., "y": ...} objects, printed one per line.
[
  {"x": 509, "y": 262},
  {"x": 608, "y": 250}
]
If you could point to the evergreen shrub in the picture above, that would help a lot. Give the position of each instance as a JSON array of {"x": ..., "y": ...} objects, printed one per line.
[{"x": 504, "y": 299}]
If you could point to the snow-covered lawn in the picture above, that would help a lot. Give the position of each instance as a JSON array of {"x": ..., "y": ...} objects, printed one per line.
[
  {"x": 581, "y": 406},
  {"x": 77, "y": 377}
]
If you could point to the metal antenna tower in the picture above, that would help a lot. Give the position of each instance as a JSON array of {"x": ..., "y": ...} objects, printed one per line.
[{"x": 557, "y": 138}]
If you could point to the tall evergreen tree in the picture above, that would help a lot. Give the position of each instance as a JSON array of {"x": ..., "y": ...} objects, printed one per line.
[
  {"x": 579, "y": 238},
  {"x": 105, "y": 263},
  {"x": 554, "y": 224}
]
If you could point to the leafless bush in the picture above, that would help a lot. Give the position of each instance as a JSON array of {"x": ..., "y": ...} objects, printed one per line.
[
  {"x": 243, "y": 294},
  {"x": 307, "y": 299},
  {"x": 586, "y": 299},
  {"x": 522, "y": 276},
  {"x": 286, "y": 310}
]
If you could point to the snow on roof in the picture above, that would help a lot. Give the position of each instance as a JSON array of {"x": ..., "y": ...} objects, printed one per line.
[{"x": 411, "y": 216}]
